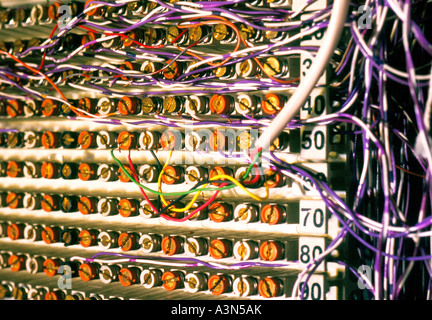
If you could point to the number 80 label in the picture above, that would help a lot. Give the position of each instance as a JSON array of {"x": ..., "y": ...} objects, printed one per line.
[{"x": 310, "y": 249}]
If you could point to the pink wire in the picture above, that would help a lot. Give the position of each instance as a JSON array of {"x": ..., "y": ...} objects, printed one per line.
[{"x": 213, "y": 197}]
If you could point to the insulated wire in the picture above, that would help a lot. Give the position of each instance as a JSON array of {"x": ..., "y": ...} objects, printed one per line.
[
  {"x": 217, "y": 177},
  {"x": 297, "y": 100}
]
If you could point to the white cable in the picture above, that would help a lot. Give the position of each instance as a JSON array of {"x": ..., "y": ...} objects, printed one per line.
[
  {"x": 428, "y": 107},
  {"x": 322, "y": 59}
]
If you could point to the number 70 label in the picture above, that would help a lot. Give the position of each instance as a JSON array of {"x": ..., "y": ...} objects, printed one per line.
[{"x": 313, "y": 217}]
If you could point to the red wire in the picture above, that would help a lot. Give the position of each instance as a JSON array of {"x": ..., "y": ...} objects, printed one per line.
[
  {"x": 141, "y": 189},
  {"x": 188, "y": 47},
  {"x": 88, "y": 29},
  {"x": 178, "y": 37},
  {"x": 152, "y": 47},
  {"x": 43, "y": 61},
  {"x": 44, "y": 55},
  {"x": 209, "y": 201},
  {"x": 254, "y": 180}
]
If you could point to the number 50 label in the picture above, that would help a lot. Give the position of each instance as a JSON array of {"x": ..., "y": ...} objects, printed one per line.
[
  {"x": 314, "y": 142},
  {"x": 313, "y": 217}
]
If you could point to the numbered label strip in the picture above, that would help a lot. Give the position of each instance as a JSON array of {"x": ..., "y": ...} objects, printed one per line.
[
  {"x": 306, "y": 62},
  {"x": 313, "y": 6},
  {"x": 321, "y": 173}
]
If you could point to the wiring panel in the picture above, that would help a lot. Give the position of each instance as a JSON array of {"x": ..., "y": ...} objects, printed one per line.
[{"x": 214, "y": 150}]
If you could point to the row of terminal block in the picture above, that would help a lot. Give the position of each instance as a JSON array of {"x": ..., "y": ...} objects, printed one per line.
[
  {"x": 170, "y": 139},
  {"x": 171, "y": 175},
  {"x": 219, "y": 248},
  {"x": 223, "y": 282},
  {"x": 28, "y": 16},
  {"x": 262, "y": 68},
  {"x": 217, "y": 104},
  {"x": 219, "y": 211}
]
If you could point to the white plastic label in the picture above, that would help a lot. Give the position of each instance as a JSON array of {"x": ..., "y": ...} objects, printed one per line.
[
  {"x": 310, "y": 248},
  {"x": 317, "y": 104},
  {"x": 306, "y": 62},
  {"x": 313, "y": 217},
  {"x": 315, "y": 38},
  {"x": 320, "y": 171},
  {"x": 314, "y": 289},
  {"x": 315, "y": 5},
  {"x": 314, "y": 142}
]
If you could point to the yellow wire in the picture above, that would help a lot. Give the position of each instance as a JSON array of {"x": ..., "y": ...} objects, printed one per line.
[
  {"x": 238, "y": 184},
  {"x": 160, "y": 190},
  {"x": 218, "y": 177}
]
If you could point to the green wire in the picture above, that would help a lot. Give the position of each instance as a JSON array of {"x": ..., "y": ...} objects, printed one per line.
[
  {"x": 249, "y": 169},
  {"x": 182, "y": 192}
]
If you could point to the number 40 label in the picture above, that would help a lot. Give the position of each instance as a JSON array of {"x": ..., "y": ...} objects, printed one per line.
[
  {"x": 317, "y": 104},
  {"x": 313, "y": 218}
]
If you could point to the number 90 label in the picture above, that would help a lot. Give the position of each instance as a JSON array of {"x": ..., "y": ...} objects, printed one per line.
[{"x": 314, "y": 289}]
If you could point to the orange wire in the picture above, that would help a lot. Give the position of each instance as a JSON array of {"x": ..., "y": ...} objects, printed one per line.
[
  {"x": 344, "y": 56},
  {"x": 410, "y": 172},
  {"x": 36, "y": 71},
  {"x": 240, "y": 40},
  {"x": 46, "y": 77}
]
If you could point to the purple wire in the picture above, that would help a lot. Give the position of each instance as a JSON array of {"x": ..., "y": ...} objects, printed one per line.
[
  {"x": 330, "y": 205},
  {"x": 370, "y": 96},
  {"x": 378, "y": 65},
  {"x": 9, "y": 130},
  {"x": 128, "y": 28},
  {"x": 316, "y": 263},
  {"x": 238, "y": 60},
  {"x": 196, "y": 262}
]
